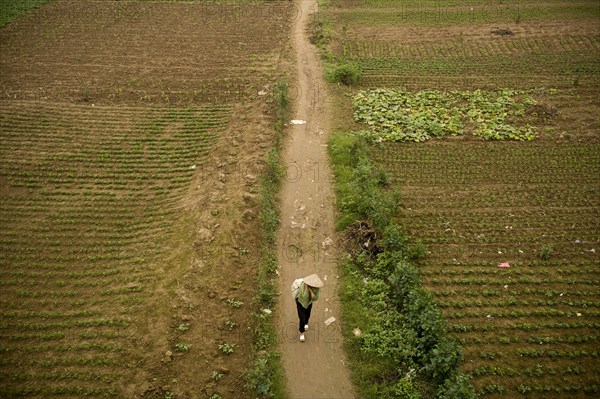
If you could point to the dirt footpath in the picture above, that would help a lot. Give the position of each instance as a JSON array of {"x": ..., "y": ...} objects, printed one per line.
[{"x": 316, "y": 368}]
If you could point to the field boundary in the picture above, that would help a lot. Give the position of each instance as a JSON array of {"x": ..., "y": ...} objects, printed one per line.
[{"x": 396, "y": 336}]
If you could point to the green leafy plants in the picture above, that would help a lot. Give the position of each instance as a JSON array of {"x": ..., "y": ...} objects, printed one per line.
[
  {"x": 183, "y": 347},
  {"x": 230, "y": 324},
  {"x": 457, "y": 387},
  {"x": 546, "y": 252},
  {"x": 234, "y": 303},
  {"x": 400, "y": 115},
  {"x": 265, "y": 377},
  {"x": 345, "y": 72},
  {"x": 444, "y": 361},
  {"x": 401, "y": 327},
  {"x": 227, "y": 348}
]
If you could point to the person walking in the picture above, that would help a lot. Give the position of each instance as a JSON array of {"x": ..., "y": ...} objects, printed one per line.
[{"x": 305, "y": 291}]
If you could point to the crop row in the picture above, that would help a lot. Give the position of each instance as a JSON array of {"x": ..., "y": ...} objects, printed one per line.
[
  {"x": 555, "y": 354},
  {"x": 60, "y": 376},
  {"x": 56, "y": 390},
  {"x": 542, "y": 271},
  {"x": 482, "y": 66},
  {"x": 525, "y": 239},
  {"x": 520, "y": 280},
  {"x": 458, "y": 181},
  {"x": 547, "y": 264},
  {"x": 538, "y": 353},
  {"x": 533, "y": 326},
  {"x": 535, "y": 293},
  {"x": 470, "y": 48},
  {"x": 544, "y": 179},
  {"x": 539, "y": 340},
  {"x": 87, "y": 361},
  {"x": 541, "y": 388},
  {"x": 491, "y": 220},
  {"x": 518, "y": 313},
  {"x": 76, "y": 347},
  {"x": 562, "y": 245},
  {"x": 537, "y": 371},
  {"x": 134, "y": 286},
  {"x": 38, "y": 326},
  {"x": 508, "y": 197},
  {"x": 483, "y": 74},
  {"x": 512, "y": 301},
  {"x": 377, "y": 13}
]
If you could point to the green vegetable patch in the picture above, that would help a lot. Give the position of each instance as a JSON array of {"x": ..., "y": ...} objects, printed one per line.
[{"x": 400, "y": 115}]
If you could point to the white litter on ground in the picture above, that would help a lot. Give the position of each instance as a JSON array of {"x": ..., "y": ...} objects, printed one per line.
[
  {"x": 329, "y": 321},
  {"x": 298, "y": 122}
]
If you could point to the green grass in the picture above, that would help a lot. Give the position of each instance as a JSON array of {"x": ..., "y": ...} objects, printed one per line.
[{"x": 12, "y": 9}]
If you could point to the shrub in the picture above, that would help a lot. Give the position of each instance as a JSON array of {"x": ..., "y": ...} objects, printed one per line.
[
  {"x": 403, "y": 281},
  {"x": 444, "y": 360},
  {"x": 385, "y": 264},
  {"x": 418, "y": 250},
  {"x": 368, "y": 199},
  {"x": 393, "y": 238},
  {"x": 389, "y": 339},
  {"x": 422, "y": 315},
  {"x": 374, "y": 294},
  {"x": 346, "y": 72},
  {"x": 456, "y": 387}
]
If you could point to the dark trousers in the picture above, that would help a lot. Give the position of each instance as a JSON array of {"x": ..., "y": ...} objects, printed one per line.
[{"x": 303, "y": 315}]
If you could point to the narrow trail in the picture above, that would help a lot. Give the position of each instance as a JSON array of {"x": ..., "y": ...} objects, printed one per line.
[{"x": 317, "y": 368}]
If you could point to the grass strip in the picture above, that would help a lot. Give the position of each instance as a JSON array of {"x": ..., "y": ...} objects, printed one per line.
[
  {"x": 395, "y": 334},
  {"x": 266, "y": 376}
]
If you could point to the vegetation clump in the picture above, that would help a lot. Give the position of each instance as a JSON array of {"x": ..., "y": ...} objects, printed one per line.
[{"x": 347, "y": 73}]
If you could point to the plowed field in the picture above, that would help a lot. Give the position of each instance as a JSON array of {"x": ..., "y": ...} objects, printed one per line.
[{"x": 131, "y": 142}]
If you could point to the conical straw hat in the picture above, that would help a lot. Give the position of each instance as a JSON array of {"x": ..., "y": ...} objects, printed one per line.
[{"x": 313, "y": 280}]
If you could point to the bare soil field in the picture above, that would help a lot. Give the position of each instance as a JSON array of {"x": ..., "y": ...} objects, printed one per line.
[
  {"x": 132, "y": 136},
  {"x": 145, "y": 52}
]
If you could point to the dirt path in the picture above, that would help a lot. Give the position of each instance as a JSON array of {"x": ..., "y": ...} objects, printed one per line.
[{"x": 316, "y": 368}]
